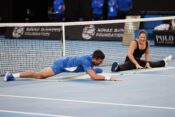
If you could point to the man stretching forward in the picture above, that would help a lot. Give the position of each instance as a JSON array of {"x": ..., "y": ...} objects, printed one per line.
[{"x": 83, "y": 63}]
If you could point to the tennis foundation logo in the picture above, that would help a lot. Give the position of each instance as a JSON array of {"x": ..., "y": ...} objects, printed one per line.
[
  {"x": 88, "y": 32},
  {"x": 18, "y": 32}
]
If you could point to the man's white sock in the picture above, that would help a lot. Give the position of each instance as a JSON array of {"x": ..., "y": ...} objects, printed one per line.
[{"x": 16, "y": 75}]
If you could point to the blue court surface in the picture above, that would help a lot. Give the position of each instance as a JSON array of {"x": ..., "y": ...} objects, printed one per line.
[{"x": 140, "y": 93}]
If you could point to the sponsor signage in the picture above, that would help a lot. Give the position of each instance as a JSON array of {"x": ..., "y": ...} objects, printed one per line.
[
  {"x": 164, "y": 38},
  {"x": 34, "y": 32},
  {"x": 81, "y": 32},
  {"x": 95, "y": 32}
]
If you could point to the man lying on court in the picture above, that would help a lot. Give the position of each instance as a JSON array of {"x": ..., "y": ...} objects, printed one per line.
[
  {"x": 136, "y": 49},
  {"x": 83, "y": 63}
]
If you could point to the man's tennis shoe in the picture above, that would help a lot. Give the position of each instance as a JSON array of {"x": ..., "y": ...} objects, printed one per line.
[{"x": 9, "y": 77}]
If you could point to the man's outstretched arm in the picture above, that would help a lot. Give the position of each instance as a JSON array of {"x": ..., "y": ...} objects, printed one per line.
[{"x": 95, "y": 76}]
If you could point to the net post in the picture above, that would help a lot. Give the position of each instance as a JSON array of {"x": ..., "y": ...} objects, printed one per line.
[{"x": 129, "y": 29}]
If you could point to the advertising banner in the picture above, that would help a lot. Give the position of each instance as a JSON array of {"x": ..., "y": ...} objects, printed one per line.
[
  {"x": 33, "y": 32},
  {"x": 164, "y": 38},
  {"x": 107, "y": 32},
  {"x": 95, "y": 32}
]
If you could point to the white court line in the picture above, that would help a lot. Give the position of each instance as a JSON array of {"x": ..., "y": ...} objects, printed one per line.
[
  {"x": 29, "y": 113},
  {"x": 146, "y": 70},
  {"x": 129, "y": 72},
  {"x": 156, "y": 75},
  {"x": 135, "y": 71},
  {"x": 91, "y": 102}
]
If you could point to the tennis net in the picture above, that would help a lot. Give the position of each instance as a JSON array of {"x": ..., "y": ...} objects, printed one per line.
[{"x": 33, "y": 46}]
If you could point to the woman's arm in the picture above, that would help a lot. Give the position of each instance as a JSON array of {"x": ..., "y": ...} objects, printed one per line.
[
  {"x": 147, "y": 56},
  {"x": 131, "y": 49}
]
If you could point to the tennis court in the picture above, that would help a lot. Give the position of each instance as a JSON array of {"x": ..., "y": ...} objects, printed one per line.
[{"x": 139, "y": 93}]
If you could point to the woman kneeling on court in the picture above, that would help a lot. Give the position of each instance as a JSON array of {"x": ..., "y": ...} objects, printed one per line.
[{"x": 136, "y": 49}]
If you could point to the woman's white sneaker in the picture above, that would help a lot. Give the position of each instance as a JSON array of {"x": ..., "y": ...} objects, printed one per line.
[{"x": 168, "y": 58}]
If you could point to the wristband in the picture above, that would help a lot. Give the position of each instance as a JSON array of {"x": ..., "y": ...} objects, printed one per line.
[{"x": 107, "y": 78}]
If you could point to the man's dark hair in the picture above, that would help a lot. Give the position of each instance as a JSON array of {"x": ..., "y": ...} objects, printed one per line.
[{"x": 98, "y": 54}]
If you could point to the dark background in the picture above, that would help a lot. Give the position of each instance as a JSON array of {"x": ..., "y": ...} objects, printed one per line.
[
  {"x": 37, "y": 10},
  {"x": 18, "y": 10},
  {"x": 154, "y": 6}
]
